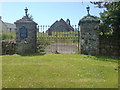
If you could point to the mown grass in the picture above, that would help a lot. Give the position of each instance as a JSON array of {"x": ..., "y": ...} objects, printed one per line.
[{"x": 59, "y": 71}]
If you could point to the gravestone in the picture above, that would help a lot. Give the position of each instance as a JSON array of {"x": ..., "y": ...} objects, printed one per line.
[
  {"x": 89, "y": 34},
  {"x": 26, "y": 30}
]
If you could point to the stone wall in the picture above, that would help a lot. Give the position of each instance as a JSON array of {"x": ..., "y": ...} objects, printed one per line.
[
  {"x": 109, "y": 45},
  {"x": 7, "y": 47}
]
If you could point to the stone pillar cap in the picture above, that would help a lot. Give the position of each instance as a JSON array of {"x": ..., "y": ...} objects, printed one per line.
[
  {"x": 25, "y": 19},
  {"x": 89, "y": 19}
]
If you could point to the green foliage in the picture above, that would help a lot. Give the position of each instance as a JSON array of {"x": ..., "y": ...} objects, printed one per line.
[
  {"x": 41, "y": 44},
  {"x": 110, "y": 17},
  {"x": 89, "y": 19},
  {"x": 7, "y": 36},
  {"x": 40, "y": 48},
  {"x": 59, "y": 71},
  {"x": 30, "y": 16}
]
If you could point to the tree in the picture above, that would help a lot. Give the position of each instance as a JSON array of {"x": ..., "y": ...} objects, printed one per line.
[
  {"x": 30, "y": 16},
  {"x": 110, "y": 17}
]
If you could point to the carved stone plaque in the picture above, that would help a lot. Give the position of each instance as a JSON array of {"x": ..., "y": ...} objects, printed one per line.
[{"x": 23, "y": 32}]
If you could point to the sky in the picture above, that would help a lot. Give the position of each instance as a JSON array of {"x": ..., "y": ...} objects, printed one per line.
[{"x": 46, "y": 13}]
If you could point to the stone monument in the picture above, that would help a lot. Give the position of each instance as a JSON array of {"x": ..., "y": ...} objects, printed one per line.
[
  {"x": 26, "y": 30},
  {"x": 89, "y": 34}
]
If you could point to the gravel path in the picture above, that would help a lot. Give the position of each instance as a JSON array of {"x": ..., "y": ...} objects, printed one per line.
[{"x": 61, "y": 48}]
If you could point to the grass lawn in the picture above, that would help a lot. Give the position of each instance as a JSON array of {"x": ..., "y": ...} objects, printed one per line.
[{"x": 59, "y": 71}]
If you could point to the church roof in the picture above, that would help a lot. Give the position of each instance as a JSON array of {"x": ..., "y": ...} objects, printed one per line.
[{"x": 61, "y": 26}]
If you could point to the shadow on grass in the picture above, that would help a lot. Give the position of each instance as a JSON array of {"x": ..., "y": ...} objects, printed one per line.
[
  {"x": 32, "y": 54},
  {"x": 107, "y": 58},
  {"x": 103, "y": 58}
]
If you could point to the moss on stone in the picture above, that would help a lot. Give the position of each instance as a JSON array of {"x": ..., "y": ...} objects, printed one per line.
[{"x": 88, "y": 19}]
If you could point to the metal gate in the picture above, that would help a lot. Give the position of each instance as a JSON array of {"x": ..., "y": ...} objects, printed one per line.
[{"x": 58, "y": 42}]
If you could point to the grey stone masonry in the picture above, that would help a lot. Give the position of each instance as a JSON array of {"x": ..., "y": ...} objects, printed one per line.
[
  {"x": 26, "y": 30},
  {"x": 89, "y": 35}
]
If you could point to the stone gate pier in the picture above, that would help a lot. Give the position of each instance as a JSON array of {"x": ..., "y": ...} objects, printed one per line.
[
  {"x": 26, "y": 30},
  {"x": 89, "y": 34}
]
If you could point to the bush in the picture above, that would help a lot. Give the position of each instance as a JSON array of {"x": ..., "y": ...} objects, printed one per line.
[
  {"x": 40, "y": 48},
  {"x": 7, "y": 36}
]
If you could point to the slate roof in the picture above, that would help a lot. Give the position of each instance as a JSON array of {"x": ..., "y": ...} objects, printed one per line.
[
  {"x": 61, "y": 26},
  {"x": 10, "y": 25}
]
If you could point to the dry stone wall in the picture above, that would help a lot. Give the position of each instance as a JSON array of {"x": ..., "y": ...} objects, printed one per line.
[{"x": 7, "y": 47}]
